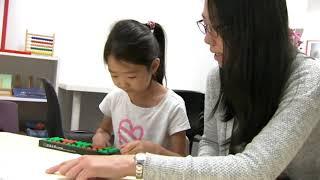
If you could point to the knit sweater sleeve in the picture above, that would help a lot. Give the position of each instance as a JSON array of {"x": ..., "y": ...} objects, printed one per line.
[
  {"x": 270, "y": 151},
  {"x": 209, "y": 144}
]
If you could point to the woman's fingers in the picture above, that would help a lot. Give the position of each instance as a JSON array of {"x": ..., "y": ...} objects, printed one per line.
[
  {"x": 63, "y": 168},
  {"x": 67, "y": 166},
  {"x": 53, "y": 169},
  {"x": 84, "y": 175},
  {"x": 74, "y": 171}
]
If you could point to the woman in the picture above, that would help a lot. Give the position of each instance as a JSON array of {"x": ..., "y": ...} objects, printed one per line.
[{"x": 262, "y": 106}]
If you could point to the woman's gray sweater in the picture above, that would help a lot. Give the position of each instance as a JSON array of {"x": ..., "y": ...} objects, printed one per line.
[{"x": 289, "y": 142}]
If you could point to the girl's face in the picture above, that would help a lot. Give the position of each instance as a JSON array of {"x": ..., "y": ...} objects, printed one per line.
[
  {"x": 131, "y": 78},
  {"x": 212, "y": 37}
]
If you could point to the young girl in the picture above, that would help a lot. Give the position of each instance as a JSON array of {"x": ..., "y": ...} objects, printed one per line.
[{"x": 143, "y": 115}]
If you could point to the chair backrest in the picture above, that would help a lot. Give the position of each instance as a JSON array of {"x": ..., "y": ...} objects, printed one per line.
[
  {"x": 54, "y": 119},
  {"x": 9, "y": 116},
  {"x": 195, "y": 106}
]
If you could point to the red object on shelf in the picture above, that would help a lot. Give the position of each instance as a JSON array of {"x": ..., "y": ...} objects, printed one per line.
[
  {"x": 4, "y": 32},
  {"x": 15, "y": 51},
  {"x": 4, "y": 24}
]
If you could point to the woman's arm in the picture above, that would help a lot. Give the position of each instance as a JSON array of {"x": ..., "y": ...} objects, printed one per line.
[
  {"x": 86, "y": 167},
  {"x": 208, "y": 145},
  {"x": 270, "y": 151}
]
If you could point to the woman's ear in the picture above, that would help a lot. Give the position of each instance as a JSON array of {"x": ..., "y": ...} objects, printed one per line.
[{"x": 155, "y": 65}]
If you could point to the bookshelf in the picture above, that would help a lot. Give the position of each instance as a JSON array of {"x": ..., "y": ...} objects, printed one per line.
[
  {"x": 29, "y": 65},
  {"x": 26, "y": 66},
  {"x": 12, "y": 98}
]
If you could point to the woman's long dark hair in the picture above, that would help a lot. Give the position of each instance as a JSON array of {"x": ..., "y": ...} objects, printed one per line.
[
  {"x": 256, "y": 61},
  {"x": 137, "y": 43}
]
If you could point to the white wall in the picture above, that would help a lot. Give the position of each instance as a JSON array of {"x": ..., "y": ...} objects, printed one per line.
[
  {"x": 81, "y": 28},
  {"x": 305, "y": 14}
]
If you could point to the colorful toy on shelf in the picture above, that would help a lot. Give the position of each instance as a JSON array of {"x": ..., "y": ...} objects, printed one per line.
[
  {"x": 39, "y": 44},
  {"x": 78, "y": 147}
]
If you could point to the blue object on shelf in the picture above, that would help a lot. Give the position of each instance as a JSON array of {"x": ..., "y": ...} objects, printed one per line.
[
  {"x": 29, "y": 93},
  {"x": 37, "y": 133}
]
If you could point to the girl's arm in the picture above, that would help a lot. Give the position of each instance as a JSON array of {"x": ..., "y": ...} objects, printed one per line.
[
  {"x": 102, "y": 136},
  {"x": 106, "y": 125},
  {"x": 178, "y": 146}
]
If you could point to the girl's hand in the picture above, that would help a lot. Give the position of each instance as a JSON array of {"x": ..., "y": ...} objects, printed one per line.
[
  {"x": 89, "y": 166},
  {"x": 101, "y": 138},
  {"x": 140, "y": 146}
]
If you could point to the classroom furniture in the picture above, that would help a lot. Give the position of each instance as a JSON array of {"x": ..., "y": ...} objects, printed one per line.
[
  {"x": 9, "y": 116},
  {"x": 194, "y": 102},
  {"x": 26, "y": 66},
  {"x": 26, "y": 160},
  {"x": 77, "y": 92},
  {"x": 54, "y": 119}
]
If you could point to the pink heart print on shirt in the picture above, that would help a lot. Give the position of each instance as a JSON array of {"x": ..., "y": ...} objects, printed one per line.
[{"x": 127, "y": 132}]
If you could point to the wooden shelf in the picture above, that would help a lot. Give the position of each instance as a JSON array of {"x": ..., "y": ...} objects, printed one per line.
[
  {"x": 12, "y": 98},
  {"x": 31, "y": 57},
  {"x": 27, "y": 66}
]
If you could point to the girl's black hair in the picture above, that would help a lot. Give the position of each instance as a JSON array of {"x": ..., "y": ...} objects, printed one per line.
[
  {"x": 137, "y": 43},
  {"x": 256, "y": 62}
]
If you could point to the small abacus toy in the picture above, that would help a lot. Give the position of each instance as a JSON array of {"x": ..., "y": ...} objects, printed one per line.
[
  {"x": 40, "y": 44},
  {"x": 78, "y": 147}
]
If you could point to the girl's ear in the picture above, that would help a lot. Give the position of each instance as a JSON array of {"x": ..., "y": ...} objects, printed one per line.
[{"x": 155, "y": 65}]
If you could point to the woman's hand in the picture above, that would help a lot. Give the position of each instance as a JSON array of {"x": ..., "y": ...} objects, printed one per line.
[
  {"x": 101, "y": 138},
  {"x": 135, "y": 147},
  {"x": 89, "y": 166}
]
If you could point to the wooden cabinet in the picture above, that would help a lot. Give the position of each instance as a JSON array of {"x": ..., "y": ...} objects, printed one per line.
[{"x": 27, "y": 66}]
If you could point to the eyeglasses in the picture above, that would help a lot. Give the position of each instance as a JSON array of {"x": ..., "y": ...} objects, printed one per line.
[{"x": 205, "y": 28}]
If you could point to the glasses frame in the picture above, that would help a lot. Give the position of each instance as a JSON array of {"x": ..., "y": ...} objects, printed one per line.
[{"x": 205, "y": 28}]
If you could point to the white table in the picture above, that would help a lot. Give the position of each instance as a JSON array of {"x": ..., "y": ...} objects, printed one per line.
[
  {"x": 76, "y": 99},
  {"x": 22, "y": 158}
]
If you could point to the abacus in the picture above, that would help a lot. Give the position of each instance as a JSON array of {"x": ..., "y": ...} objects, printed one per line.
[
  {"x": 77, "y": 147},
  {"x": 39, "y": 44}
]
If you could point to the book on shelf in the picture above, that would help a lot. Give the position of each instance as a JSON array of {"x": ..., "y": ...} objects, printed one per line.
[
  {"x": 29, "y": 93},
  {"x": 5, "y": 84},
  {"x": 5, "y": 92}
]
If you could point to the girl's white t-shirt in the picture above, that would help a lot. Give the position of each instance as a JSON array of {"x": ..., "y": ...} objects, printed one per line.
[{"x": 156, "y": 124}]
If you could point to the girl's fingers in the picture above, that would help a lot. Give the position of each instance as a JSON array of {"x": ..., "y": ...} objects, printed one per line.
[
  {"x": 122, "y": 146},
  {"x": 128, "y": 147},
  {"x": 108, "y": 144},
  {"x": 134, "y": 150}
]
